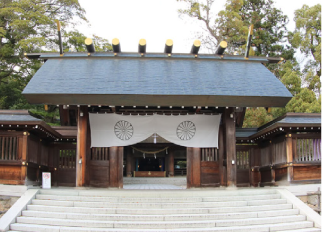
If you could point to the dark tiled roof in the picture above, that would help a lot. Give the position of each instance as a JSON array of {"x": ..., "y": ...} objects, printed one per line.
[
  {"x": 301, "y": 120},
  {"x": 18, "y": 116},
  {"x": 245, "y": 132},
  {"x": 162, "y": 77}
]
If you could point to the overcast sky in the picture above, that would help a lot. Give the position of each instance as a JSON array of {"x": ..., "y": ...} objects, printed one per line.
[{"x": 156, "y": 21}]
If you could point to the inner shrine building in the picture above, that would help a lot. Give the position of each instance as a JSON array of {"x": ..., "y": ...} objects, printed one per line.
[{"x": 150, "y": 114}]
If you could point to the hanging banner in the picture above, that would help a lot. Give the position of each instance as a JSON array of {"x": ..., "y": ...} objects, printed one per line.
[
  {"x": 189, "y": 130},
  {"x": 109, "y": 130}
]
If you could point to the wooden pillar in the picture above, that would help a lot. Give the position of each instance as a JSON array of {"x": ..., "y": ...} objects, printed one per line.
[
  {"x": 193, "y": 167},
  {"x": 116, "y": 167},
  {"x": 221, "y": 150},
  {"x": 254, "y": 164},
  {"x": 24, "y": 156},
  {"x": 120, "y": 151},
  {"x": 64, "y": 116},
  {"x": 272, "y": 175},
  {"x": 230, "y": 146},
  {"x": 171, "y": 163},
  {"x": 129, "y": 158},
  {"x": 289, "y": 157},
  {"x": 82, "y": 121}
]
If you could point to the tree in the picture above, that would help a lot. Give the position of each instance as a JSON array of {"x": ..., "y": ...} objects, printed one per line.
[
  {"x": 256, "y": 117},
  {"x": 29, "y": 26},
  {"x": 305, "y": 102},
  {"x": 307, "y": 37},
  {"x": 231, "y": 24}
]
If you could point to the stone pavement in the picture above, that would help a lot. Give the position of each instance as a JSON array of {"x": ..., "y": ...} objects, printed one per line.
[{"x": 152, "y": 186}]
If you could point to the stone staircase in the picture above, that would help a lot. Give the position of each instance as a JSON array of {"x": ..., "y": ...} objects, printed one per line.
[
  {"x": 177, "y": 181},
  {"x": 92, "y": 210}
]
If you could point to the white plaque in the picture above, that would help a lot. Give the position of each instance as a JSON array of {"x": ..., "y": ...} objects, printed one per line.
[{"x": 46, "y": 180}]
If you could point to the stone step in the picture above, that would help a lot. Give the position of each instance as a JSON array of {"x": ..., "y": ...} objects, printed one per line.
[
  {"x": 242, "y": 198},
  {"x": 158, "y": 224},
  {"x": 159, "y": 211},
  {"x": 297, "y": 226},
  {"x": 294, "y": 226},
  {"x": 302, "y": 230},
  {"x": 158, "y": 205},
  {"x": 172, "y": 217},
  {"x": 115, "y": 199},
  {"x": 179, "y": 181},
  {"x": 158, "y": 194},
  {"x": 164, "y": 199}
]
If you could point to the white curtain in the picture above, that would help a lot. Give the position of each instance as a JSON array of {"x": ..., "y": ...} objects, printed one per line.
[{"x": 109, "y": 130}]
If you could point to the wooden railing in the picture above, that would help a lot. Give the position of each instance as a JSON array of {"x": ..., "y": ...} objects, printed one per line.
[
  {"x": 209, "y": 154},
  {"x": 99, "y": 153},
  {"x": 180, "y": 172},
  {"x": 67, "y": 158},
  {"x": 8, "y": 148},
  {"x": 308, "y": 150},
  {"x": 242, "y": 159}
]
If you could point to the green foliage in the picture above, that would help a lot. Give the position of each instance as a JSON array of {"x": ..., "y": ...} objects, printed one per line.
[
  {"x": 231, "y": 25},
  {"x": 304, "y": 102},
  {"x": 307, "y": 37},
  {"x": 28, "y": 26},
  {"x": 256, "y": 117},
  {"x": 51, "y": 116},
  {"x": 290, "y": 77}
]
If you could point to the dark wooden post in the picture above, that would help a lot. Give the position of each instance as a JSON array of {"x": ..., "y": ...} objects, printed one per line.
[
  {"x": 193, "y": 167},
  {"x": 195, "y": 47},
  {"x": 273, "y": 160},
  {"x": 24, "y": 155},
  {"x": 113, "y": 167},
  {"x": 171, "y": 163},
  {"x": 64, "y": 116},
  {"x": 82, "y": 120},
  {"x": 255, "y": 173},
  {"x": 289, "y": 157},
  {"x": 230, "y": 146},
  {"x": 129, "y": 162},
  {"x": 221, "y": 150},
  {"x": 120, "y": 151},
  {"x": 116, "y": 167}
]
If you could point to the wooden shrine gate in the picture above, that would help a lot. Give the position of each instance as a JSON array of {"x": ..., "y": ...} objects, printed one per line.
[
  {"x": 65, "y": 161},
  {"x": 209, "y": 167}
]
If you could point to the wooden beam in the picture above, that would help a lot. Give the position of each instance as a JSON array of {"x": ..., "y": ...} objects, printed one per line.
[
  {"x": 168, "y": 46},
  {"x": 113, "y": 167},
  {"x": 116, "y": 45},
  {"x": 129, "y": 158},
  {"x": 171, "y": 163},
  {"x": 221, "y": 48},
  {"x": 193, "y": 167},
  {"x": 82, "y": 121},
  {"x": 24, "y": 155},
  {"x": 289, "y": 157},
  {"x": 120, "y": 151},
  {"x": 230, "y": 146},
  {"x": 142, "y": 46},
  {"x": 59, "y": 37},
  {"x": 89, "y": 45},
  {"x": 64, "y": 116},
  {"x": 195, "y": 47},
  {"x": 249, "y": 40},
  {"x": 116, "y": 167},
  {"x": 221, "y": 150}
]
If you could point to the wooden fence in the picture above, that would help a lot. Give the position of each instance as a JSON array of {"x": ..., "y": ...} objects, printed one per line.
[
  {"x": 8, "y": 148},
  {"x": 308, "y": 150}
]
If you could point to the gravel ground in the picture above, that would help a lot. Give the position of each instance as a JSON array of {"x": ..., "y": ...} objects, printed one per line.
[{"x": 5, "y": 203}]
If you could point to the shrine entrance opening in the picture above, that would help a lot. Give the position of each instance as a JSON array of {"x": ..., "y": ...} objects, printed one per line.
[{"x": 155, "y": 160}]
